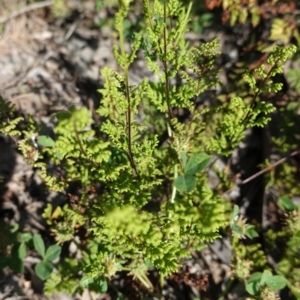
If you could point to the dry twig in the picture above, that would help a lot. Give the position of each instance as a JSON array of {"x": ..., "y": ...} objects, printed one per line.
[
  {"x": 25, "y": 10},
  {"x": 267, "y": 169}
]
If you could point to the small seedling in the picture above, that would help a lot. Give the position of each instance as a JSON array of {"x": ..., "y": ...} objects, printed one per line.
[{"x": 45, "y": 267}]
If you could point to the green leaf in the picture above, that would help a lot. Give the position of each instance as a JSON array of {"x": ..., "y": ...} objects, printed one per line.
[
  {"x": 252, "y": 287},
  {"x": 276, "y": 282},
  {"x": 43, "y": 269},
  {"x": 185, "y": 183},
  {"x": 255, "y": 277},
  {"x": 265, "y": 276},
  {"x": 15, "y": 262},
  {"x": 86, "y": 281},
  {"x": 251, "y": 232},
  {"x": 25, "y": 237},
  {"x": 39, "y": 245},
  {"x": 22, "y": 251},
  {"x": 102, "y": 283},
  {"x": 53, "y": 252},
  {"x": 237, "y": 229},
  {"x": 45, "y": 141},
  {"x": 253, "y": 283},
  {"x": 62, "y": 115},
  {"x": 183, "y": 158},
  {"x": 197, "y": 163},
  {"x": 235, "y": 211},
  {"x": 286, "y": 203}
]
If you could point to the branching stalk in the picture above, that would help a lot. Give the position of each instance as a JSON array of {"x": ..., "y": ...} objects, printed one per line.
[
  {"x": 128, "y": 112},
  {"x": 167, "y": 84}
]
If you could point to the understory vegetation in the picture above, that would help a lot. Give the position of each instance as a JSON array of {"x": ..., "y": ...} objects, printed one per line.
[{"x": 141, "y": 167}]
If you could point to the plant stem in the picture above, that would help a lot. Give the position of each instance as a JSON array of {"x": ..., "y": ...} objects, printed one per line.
[
  {"x": 174, "y": 188},
  {"x": 167, "y": 85},
  {"x": 128, "y": 112},
  {"x": 228, "y": 286},
  {"x": 128, "y": 124},
  {"x": 265, "y": 170}
]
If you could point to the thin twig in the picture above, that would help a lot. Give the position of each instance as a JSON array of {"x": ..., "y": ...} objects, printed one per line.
[
  {"x": 81, "y": 146},
  {"x": 267, "y": 169},
  {"x": 25, "y": 10}
]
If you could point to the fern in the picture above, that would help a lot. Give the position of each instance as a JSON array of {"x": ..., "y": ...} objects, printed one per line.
[{"x": 134, "y": 163}]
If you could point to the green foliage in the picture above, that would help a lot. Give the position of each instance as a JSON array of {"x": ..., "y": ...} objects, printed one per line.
[
  {"x": 8, "y": 126},
  {"x": 187, "y": 181},
  {"x": 142, "y": 152},
  {"x": 44, "y": 268},
  {"x": 289, "y": 265},
  {"x": 239, "y": 227},
  {"x": 265, "y": 284},
  {"x": 200, "y": 22},
  {"x": 124, "y": 157},
  {"x": 13, "y": 247}
]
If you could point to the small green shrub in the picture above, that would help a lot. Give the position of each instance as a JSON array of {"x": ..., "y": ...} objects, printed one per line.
[{"x": 142, "y": 199}]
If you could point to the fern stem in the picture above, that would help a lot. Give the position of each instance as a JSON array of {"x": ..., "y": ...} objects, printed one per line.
[
  {"x": 167, "y": 84},
  {"x": 128, "y": 112},
  {"x": 263, "y": 82},
  {"x": 128, "y": 124},
  {"x": 81, "y": 146}
]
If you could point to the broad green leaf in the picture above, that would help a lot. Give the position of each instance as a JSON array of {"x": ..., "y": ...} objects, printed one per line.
[
  {"x": 251, "y": 232},
  {"x": 62, "y": 115},
  {"x": 86, "y": 281},
  {"x": 276, "y": 282},
  {"x": 253, "y": 283},
  {"x": 235, "y": 211},
  {"x": 53, "y": 252},
  {"x": 197, "y": 163},
  {"x": 183, "y": 157},
  {"x": 102, "y": 285},
  {"x": 22, "y": 251},
  {"x": 237, "y": 229},
  {"x": 39, "y": 245},
  {"x": 286, "y": 204},
  {"x": 43, "y": 269},
  {"x": 265, "y": 276},
  {"x": 25, "y": 237},
  {"x": 185, "y": 183},
  {"x": 15, "y": 263},
  {"x": 252, "y": 287},
  {"x": 255, "y": 277},
  {"x": 45, "y": 141}
]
